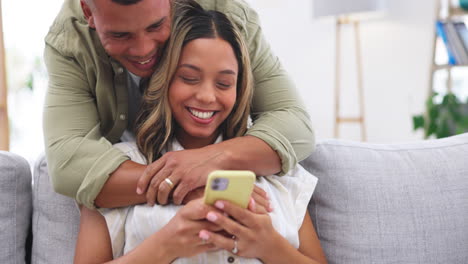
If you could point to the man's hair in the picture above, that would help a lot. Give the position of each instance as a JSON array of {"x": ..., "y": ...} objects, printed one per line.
[
  {"x": 155, "y": 124},
  {"x": 126, "y": 2},
  {"x": 120, "y": 2}
]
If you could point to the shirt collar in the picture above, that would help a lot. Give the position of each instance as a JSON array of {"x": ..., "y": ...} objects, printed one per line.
[{"x": 176, "y": 146}]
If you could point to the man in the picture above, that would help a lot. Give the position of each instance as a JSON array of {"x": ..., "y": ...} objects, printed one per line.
[{"x": 97, "y": 53}]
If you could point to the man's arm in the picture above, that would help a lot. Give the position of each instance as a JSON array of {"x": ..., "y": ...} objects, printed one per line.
[
  {"x": 79, "y": 158},
  {"x": 279, "y": 116}
]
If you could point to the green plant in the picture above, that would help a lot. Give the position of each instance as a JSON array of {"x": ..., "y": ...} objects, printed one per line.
[{"x": 443, "y": 119}]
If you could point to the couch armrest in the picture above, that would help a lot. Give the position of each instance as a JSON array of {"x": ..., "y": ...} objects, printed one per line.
[
  {"x": 16, "y": 206},
  {"x": 55, "y": 221}
]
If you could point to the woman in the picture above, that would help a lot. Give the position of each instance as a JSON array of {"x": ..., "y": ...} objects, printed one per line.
[{"x": 199, "y": 96}]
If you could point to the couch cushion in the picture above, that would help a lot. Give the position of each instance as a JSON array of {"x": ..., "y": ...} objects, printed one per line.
[
  {"x": 16, "y": 206},
  {"x": 55, "y": 221},
  {"x": 394, "y": 203}
]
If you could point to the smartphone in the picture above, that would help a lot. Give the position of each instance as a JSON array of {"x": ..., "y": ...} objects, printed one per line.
[{"x": 235, "y": 186}]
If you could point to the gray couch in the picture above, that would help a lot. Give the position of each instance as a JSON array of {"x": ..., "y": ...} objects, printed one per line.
[{"x": 389, "y": 203}]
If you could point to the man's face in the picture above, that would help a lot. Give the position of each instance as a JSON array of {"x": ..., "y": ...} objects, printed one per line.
[{"x": 134, "y": 35}]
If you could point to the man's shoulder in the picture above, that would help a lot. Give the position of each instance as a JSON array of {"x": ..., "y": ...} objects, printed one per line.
[
  {"x": 237, "y": 10},
  {"x": 70, "y": 34}
]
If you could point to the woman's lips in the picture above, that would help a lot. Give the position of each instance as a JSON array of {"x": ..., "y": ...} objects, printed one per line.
[{"x": 203, "y": 117}]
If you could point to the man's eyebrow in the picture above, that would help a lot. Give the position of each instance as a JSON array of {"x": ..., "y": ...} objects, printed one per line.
[
  {"x": 116, "y": 33},
  {"x": 157, "y": 24}
]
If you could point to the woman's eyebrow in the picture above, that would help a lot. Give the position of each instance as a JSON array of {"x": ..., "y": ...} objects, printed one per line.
[
  {"x": 228, "y": 72},
  {"x": 193, "y": 67}
]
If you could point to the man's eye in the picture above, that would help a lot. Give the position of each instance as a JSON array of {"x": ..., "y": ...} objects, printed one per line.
[
  {"x": 119, "y": 35},
  {"x": 154, "y": 28}
]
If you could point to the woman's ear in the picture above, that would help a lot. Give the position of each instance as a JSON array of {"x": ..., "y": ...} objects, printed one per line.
[{"x": 87, "y": 13}]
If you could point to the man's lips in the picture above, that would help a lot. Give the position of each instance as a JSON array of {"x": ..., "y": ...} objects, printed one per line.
[{"x": 145, "y": 64}]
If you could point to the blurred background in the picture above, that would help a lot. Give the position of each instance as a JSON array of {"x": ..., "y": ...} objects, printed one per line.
[{"x": 399, "y": 55}]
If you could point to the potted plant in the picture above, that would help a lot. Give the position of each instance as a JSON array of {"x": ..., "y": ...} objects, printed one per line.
[{"x": 445, "y": 118}]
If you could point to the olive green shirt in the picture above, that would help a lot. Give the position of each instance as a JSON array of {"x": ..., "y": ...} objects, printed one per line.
[{"x": 86, "y": 107}]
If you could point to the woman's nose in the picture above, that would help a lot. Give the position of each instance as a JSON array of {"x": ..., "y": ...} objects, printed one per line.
[{"x": 206, "y": 93}]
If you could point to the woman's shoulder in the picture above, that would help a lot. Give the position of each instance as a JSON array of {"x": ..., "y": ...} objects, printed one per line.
[{"x": 131, "y": 150}]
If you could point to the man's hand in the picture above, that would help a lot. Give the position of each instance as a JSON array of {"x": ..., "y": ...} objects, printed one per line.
[{"x": 186, "y": 169}]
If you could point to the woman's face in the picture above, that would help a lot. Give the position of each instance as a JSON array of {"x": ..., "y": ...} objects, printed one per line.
[{"x": 203, "y": 90}]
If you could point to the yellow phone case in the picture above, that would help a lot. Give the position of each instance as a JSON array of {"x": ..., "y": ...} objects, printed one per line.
[{"x": 235, "y": 186}]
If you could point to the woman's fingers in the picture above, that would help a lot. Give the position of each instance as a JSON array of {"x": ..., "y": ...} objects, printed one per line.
[
  {"x": 262, "y": 200},
  {"x": 241, "y": 215},
  {"x": 194, "y": 194},
  {"x": 196, "y": 210},
  {"x": 231, "y": 226},
  {"x": 261, "y": 204},
  {"x": 220, "y": 241}
]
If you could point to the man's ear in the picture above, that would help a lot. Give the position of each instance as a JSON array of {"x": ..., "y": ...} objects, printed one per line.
[{"x": 87, "y": 13}]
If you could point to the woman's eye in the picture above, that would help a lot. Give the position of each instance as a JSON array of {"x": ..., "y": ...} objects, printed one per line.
[
  {"x": 224, "y": 85},
  {"x": 188, "y": 79}
]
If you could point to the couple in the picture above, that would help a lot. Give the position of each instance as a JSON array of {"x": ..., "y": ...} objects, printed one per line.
[{"x": 199, "y": 95}]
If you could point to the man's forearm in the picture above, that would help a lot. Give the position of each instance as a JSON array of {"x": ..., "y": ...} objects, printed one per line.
[
  {"x": 120, "y": 188},
  {"x": 249, "y": 153},
  {"x": 241, "y": 153}
]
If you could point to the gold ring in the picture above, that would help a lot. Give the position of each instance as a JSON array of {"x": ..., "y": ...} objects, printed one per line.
[{"x": 169, "y": 182}]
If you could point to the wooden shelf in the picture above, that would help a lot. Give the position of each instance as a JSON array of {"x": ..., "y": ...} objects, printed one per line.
[
  {"x": 4, "y": 131},
  {"x": 457, "y": 12},
  {"x": 447, "y": 66},
  {"x": 453, "y": 14}
]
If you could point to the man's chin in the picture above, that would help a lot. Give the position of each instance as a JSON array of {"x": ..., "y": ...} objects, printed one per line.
[{"x": 139, "y": 73}]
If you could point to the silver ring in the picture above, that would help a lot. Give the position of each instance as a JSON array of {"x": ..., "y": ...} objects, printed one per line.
[
  {"x": 169, "y": 182},
  {"x": 234, "y": 250}
]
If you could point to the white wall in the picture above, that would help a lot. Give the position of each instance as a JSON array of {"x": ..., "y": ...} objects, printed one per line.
[{"x": 396, "y": 54}]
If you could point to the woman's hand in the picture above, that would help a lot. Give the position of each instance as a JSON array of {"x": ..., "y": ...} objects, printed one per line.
[
  {"x": 181, "y": 233},
  {"x": 261, "y": 204},
  {"x": 254, "y": 235},
  {"x": 186, "y": 169}
]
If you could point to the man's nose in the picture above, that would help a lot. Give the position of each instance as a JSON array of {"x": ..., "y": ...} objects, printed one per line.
[{"x": 142, "y": 46}]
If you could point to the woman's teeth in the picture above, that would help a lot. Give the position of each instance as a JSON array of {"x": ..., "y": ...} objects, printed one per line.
[{"x": 201, "y": 115}]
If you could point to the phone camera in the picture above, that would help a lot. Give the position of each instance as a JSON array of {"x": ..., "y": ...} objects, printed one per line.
[{"x": 219, "y": 184}]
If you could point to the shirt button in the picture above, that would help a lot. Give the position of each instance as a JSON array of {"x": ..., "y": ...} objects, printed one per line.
[
  {"x": 120, "y": 70},
  {"x": 231, "y": 259},
  {"x": 122, "y": 117}
]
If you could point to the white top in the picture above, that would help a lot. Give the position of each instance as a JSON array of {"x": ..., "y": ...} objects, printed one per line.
[{"x": 290, "y": 194}]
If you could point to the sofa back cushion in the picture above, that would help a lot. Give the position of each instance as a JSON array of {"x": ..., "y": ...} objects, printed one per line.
[
  {"x": 16, "y": 206},
  {"x": 55, "y": 221},
  {"x": 393, "y": 203}
]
